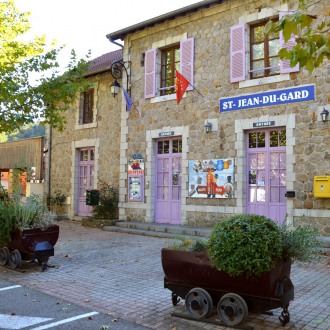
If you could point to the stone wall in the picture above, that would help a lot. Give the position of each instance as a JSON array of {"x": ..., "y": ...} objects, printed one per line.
[
  {"x": 309, "y": 138},
  {"x": 104, "y": 133}
]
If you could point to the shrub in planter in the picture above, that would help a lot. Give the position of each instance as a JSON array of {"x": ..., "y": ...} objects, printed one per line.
[
  {"x": 250, "y": 244},
  {"x": 16, "y": 214}
]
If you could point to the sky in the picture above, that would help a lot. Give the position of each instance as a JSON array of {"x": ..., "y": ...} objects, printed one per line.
[{"x": 83, "y": 25}]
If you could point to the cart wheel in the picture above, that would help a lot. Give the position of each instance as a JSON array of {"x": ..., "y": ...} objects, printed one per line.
[
  {"x": 15, "y": 259},
  {"x": 232, "y": 309},
  {"x": 199, "y": 303},
  {"x": 4, "y": 256}
]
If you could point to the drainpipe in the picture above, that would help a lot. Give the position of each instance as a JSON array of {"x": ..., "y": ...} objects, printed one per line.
[{"x": 115, "y": 43}]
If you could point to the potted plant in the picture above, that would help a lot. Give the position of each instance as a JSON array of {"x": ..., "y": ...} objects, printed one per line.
[
  {"x": 243, "y": 267},
  {"x": 28, "y": 230}
]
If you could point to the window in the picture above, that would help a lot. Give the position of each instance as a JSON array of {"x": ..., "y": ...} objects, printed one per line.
[
  {"x": 160, "y": 65},
  {"x": 264, "y": 60},
  {"x": 86, "y": 107},
  {"x": 252, "y": 55},
  {"x": 169, "y": 63}
]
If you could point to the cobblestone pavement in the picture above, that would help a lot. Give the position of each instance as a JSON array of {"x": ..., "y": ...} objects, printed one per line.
[{"x": 121, "y": 274}]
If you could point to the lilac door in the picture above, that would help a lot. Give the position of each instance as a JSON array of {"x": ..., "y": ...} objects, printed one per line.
[
  {"x": 266, "y": 170},
  {"x": 85, "y": 180},
  {"x": 168, "y": 181}
]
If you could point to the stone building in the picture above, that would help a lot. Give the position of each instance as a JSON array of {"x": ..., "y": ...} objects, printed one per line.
[{"x": 247, "y": 136}]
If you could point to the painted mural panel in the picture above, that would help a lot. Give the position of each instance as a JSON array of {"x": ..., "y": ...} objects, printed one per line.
[{"x": 211, "y": 178}]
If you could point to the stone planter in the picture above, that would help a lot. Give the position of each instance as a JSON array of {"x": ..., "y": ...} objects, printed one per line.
[{"x": 190, "y": 276}]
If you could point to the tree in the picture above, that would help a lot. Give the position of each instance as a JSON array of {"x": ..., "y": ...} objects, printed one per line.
[
  {"x": 312, "y": 35},
  {"x": 44, "y": 99}
]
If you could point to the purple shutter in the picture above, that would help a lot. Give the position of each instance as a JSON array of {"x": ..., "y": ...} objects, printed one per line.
[
  {"x": 237, "y": 53},
  {"x": 285, "y": 64},
  {"x": 150, "y": 73},
  {"x": 187, "y": 60}
]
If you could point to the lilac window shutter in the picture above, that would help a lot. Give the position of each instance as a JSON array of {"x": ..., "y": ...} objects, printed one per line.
[
  {"x": 285, "y": 64},
  {"x": 237, "y": 53},
  {"x": 150, "y": 74},
  {"x": 187, "y": 60}
]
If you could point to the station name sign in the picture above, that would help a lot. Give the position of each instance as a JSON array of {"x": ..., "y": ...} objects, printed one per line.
[{"x": 266, "y": 99}]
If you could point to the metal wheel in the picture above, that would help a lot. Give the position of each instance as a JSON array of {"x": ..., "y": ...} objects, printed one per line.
[
  {"x": 15, "y": 259},
  {"x": 232, "y": 309},
  {"x": 4, "y": 256},
  {"x": 199, "y": 303}
]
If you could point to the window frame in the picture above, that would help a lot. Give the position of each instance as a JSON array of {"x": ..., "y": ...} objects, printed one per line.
[
  {"x": 167, "y": 71},
  {"x": 267, "y": 68},
  {"x": 87, "y": 107}
]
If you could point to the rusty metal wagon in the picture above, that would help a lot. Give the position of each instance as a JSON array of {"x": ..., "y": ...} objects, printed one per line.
[
  {"x": 30, "y": 245},
  {"x": 190, "y": 276}
]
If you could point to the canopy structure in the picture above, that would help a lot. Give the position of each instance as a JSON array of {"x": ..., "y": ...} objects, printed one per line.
[{"x": 24, "y": 154}]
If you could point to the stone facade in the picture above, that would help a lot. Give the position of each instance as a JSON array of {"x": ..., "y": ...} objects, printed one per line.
[
  {"x": 307, "y": 137},
  {"x": 103, "y": 134}
]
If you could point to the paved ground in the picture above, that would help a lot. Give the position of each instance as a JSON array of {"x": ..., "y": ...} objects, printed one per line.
[{"x": 121, "y": 275}]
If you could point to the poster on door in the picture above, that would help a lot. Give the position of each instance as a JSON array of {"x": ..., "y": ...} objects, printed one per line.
[{"x": 211, "y": 178}]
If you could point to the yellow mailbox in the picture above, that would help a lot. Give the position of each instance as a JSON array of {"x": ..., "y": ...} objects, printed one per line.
[{"x": 322, "y": 186}]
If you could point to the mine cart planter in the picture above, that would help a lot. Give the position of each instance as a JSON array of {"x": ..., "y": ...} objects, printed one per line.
[
  {"x": 190, "y": 276},
  {"x": 30, "y": 244}
]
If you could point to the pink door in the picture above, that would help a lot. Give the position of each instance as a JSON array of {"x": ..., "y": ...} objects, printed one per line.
[
  {"x": 266, "y": 171},
  {"x": 168, "y": 181},
  {"x": 86, "y": 180}
]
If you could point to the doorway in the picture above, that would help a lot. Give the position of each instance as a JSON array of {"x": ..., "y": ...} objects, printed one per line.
[
  {"x": 266, "y": 173},
  {"x": 85, "y": 179},
  {"x": 168, "y": 181}
]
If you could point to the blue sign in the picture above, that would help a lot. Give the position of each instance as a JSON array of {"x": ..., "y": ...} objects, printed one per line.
[{"x": 266, "y": 99}]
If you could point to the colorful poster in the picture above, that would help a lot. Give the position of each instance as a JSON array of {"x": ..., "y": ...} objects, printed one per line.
[
  {"x": 136, "y": 164},
  {"x": 211, "y": 178}
]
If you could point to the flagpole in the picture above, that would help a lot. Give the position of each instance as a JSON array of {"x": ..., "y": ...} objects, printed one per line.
[{"x": 197, "y": 91}]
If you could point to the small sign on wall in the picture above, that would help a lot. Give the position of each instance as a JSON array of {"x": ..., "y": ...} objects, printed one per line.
[{"x": 136, "y": 178}]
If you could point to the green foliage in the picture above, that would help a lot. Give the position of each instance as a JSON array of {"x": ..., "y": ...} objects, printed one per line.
[
  {"x": 22, "y": 99},
  {"x": 245, "y": 244},
  {"x": 18, "y": 214},
  {"x": 250, "y": 244},
  {"x": 26, "y": 132},
  {"x": 108, "y": 201},
  {"x": 189, "y": 245},
  {"x": 312, "y": 36},
  {"x": 300, "y": 244}
]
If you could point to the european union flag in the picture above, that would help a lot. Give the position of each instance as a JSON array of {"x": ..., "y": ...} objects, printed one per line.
[{"x": 129, "y": 102}]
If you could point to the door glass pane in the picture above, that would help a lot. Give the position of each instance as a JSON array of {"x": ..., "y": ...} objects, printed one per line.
[
  {"x": 92, "y": 154},
  {"x": 252, "y": 140},
  {"x": 261, "y": 194},
  {"x": 261, "y": 138},
  {"x": 274, "y": 194}
]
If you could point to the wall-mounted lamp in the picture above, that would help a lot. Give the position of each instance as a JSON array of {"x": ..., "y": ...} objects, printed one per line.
[
  {"x": 208, "y": 127},
  {"x": 324, "y": 115},
  {"x": 116, "y": 71},
  {"x": 115, "y": 87}
]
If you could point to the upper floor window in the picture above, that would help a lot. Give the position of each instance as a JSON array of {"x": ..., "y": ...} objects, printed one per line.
[
  {"x": 254, "y": 55},
  {"x": 86, "y": 107},
  {"x": 160, "y": 65},
  {"x": 264, "y": 60},
  {"x": 169, "y": 63}
]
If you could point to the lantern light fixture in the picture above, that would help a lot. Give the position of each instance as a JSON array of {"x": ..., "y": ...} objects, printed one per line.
[
  {"x": 114, "y": 88},
  {"x": 324, "y": 115},
  {"x": 208, "y": 127}
]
